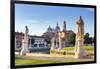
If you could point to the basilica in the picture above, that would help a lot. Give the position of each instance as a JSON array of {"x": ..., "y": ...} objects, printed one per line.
[
  {"x": 59, "y": 37},
  {"x": 56, "y": 37}
]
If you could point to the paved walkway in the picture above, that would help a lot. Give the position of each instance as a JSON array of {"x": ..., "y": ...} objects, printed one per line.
[
  {"x": 47, "y": 55},
  {"x": 60, "y": 58}
]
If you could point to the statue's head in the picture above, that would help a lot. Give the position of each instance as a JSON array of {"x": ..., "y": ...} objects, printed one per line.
[
  {"x": 26, "y": 29},
  {"x": 80, "y": 21},
  {"x": 26, "y": 26},
  {"x": 64, "y": 22}
]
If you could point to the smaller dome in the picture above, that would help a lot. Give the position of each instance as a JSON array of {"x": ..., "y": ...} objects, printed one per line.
[
  {"x": 57, "y": 29},
  {"x": 49, "y": 29}
]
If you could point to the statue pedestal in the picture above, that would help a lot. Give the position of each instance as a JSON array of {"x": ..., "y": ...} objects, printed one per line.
[
  {"x": 52, "y": 43},
  {"x": 24, "y": 48},
  {"x": 80, "y": 52}
]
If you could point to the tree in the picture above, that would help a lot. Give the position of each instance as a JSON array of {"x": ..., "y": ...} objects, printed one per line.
[
  {"x": 71, "y": 38},
  {"x": 48, "y": 36},
  {"x": 88, "y": 39}
]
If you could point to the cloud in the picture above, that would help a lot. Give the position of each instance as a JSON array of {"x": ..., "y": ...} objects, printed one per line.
[{"x": 90, "y": 9}]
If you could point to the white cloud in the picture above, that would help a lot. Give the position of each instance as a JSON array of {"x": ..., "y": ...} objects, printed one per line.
[{"x": 90, "y": 9}]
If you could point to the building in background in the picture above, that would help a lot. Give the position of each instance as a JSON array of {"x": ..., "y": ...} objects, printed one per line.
[{"x": 35, "y": 43}]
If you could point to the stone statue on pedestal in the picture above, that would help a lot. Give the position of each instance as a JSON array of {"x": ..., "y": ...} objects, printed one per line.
[
  {"x": 52, "y": 43},
  {"x": 59, "y": 41},
  {"x": 79, "y": 51},
  {"x": 25, "y": 42}
]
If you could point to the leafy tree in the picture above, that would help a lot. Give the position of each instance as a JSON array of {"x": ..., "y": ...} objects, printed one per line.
[
  {"x": 88, "y": 39},
  {"x": 48, "y": 36},
  {"x": 71, "y": 38}
]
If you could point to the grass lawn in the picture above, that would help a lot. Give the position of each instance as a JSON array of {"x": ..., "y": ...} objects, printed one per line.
[
  {"x": 87, "y": 48},
  {"x": 24, "y": 61},
  {"x": 27, "y": 61}
]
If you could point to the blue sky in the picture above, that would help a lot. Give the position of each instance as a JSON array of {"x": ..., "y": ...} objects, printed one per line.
[{"x": 39, "y": 17}]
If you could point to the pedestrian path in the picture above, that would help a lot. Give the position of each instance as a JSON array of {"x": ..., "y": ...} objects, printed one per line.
[{"x": 51, "y": 57}]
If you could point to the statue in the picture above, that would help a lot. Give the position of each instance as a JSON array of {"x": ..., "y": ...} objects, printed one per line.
[
  {"x": 26, "y": 30},
  {"x": 25, "y": 42},
  {"x": 52, "y": 43},
  {"x": 59, "y": 40},
  {"x": 79, "y": 51}
]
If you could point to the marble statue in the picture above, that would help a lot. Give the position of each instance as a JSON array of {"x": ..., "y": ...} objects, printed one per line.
[
  {"x": 59, "y": 40},
  {"x": 79, "y": 51},
  {"x": 52, "y": 43},
  {"x": 25, "y": 42}
]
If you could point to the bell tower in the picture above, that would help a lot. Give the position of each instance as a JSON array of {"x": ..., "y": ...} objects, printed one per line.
[{"x": 64, "y": 26}]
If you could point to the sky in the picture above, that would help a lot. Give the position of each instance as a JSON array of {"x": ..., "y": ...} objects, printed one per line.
[{"x": 39, "y": 17}]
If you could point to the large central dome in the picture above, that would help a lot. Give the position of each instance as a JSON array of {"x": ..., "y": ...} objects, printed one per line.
[{"x": 57, "y": 29}]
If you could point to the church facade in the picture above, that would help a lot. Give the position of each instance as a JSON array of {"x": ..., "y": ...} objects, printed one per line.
[
  {"x": 59, "y": 40},
  {"x": 56, "y": 37},
  {"x": 35, "y": 43}
]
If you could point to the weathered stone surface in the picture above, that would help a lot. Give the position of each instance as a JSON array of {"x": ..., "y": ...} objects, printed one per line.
[{"x": 79, "y": 51}]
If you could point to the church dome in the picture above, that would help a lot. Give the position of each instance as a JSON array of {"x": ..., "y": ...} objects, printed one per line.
[
  {"x": 57, "y": 29},
  {"x": 49, "y": 29}
]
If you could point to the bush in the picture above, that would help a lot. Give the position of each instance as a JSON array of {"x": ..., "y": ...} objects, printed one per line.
[
  {"x": 62, "y": 52},
  {"x": 66, "y": 51}
]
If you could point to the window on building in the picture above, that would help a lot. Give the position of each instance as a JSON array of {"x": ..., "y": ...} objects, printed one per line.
[
  {"x": 35, "y": 45},
  {"x": 41, "y": 45}
]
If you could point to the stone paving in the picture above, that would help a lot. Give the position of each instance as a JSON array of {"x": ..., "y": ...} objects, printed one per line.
[{"x": 61, "y": 58}]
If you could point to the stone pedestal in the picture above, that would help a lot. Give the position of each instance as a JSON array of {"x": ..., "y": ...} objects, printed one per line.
[
  {"x": 24, "y": 48},
  {"x": 30, "y": 43},
  {"x": 56, "y": 43},
  {"x": 60, "y": 44},
  {"x": 80, "y": 52}
]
